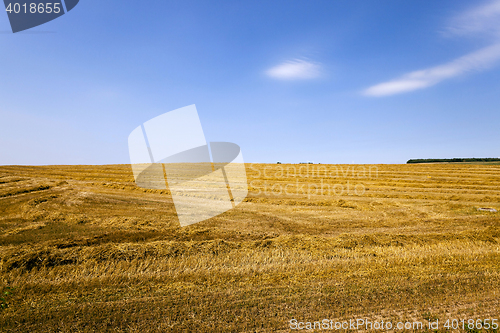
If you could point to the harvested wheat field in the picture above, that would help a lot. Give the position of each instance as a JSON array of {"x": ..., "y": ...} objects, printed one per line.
[{"x": 83, "y": 249}]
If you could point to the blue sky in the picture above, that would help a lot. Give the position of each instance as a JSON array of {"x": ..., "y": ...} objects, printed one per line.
[{"x": 291, "y": 81}]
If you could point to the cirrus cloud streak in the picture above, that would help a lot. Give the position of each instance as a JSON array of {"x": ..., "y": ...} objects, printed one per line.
[{"x": 473, "y": 62}]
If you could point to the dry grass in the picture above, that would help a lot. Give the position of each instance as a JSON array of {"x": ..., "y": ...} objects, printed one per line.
[{"x": 84, "y": 249}]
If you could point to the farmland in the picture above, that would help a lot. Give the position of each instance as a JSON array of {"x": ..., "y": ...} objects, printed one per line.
[{"x": 82, "y": 248}]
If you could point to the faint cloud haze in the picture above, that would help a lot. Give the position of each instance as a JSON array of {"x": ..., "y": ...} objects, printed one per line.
[
  {"x": 483, "y": 20},
  {"x": 480, "y": 22},
  {"x": 295, "y": 70}
]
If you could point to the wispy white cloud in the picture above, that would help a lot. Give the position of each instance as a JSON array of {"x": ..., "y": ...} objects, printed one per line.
[
  {"x": 476, "y": 61},
  {"x": 482, "y": 21},
  {"x": 295, "y": 70}
]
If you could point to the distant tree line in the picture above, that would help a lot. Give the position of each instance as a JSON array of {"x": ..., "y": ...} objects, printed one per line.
[{"x": 452, "y": 160}]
